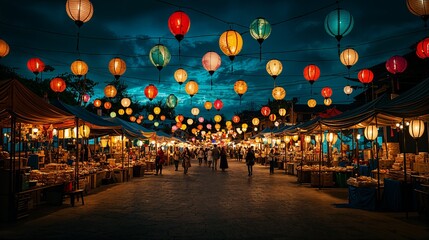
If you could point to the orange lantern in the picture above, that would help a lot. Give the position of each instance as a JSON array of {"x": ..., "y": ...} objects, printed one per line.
[
  {"x": 80, "y": 11},
  {"x": 129, "y": 111},
  {"x": 133, "y": 119},
  {"x": 117, "y": 67},
  {"x": 231, "y": 43},
  {"x": 180, "y": 75},
  {"x": 265, "y": 111},
  {"x": 208, "y": 105},
  {"x": 35, "y": 65},
  {"x": 236, "y": 119},
  {"x": 4, "y": 48},
  {"x": 58, "y": 85},
  {"x": 326, "y": 92},
  {"x": 97, "y": 103},
  {"x": 279, "y": 93},
  {"x": 162, "y": 117},
  {"x": 151, "y": 91},
  {"x": 311, "y": 73},
  {"x": 272, "y": 117},
  {"x": 255, "y": 121},
  {"x": 311, "y": 103},
  {"x": 180, "y": 117},
  {"x": 107, "y": 105},
  {"x": 110, "y": 91},
  {"x": 191, "y": 88},
  {"x": 79, "y": 68}
]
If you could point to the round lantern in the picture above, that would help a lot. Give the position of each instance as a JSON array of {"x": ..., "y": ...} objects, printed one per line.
[
  {"x": 255, "y": 121},
  {"x": 191, "y": 88},
  {"x": 231, "y": 43},
  {"x": 150, "y": 117},
  {"x": 218, "y": 104},
  {"x": 319, "y": 137},
  {"x": 57, "y": 85},
  {"x": 265, "y": 111},
  {"x": 208, "y": 105},
  {"x": 244, "y": 127},
  {"x": 228, "y": 123},
  {"x": 35, "y": 65},
  {"x": 156, "y": 124},
  {"x": 217, "y": 118},
  {"x": 171, "y": 101},
  {"x": 138, "y": 121},
  {"x": 274, "y": 67},
  {"x": 84, "y": 131},
  {"x": 125, "y": 102},
  {"x": 349, "y": 57},
  {"x": 86, "y": 98},
  {"x": 180, "y": 117},
  {"x": 200, "y": 127},
  {"x": 121, "y": 111},
  {"x": 371, "y": 132},
  {"x": 278, "y": 93},
  {"x": 97, "y": 103},
  {"x": 396, "y": 64},
  {"x": 110, "y": 91},
  {"x": 209, "y": 126},
  {"x": 272, "y": 117},
  {"x": 79, "y": 68},
  {"x": 260, "y": 29},
  {"x": 331, "y": 137},
  {"x": 80, "y": 11},
  {"x": 150, "y": 92},
  {"x": 326, "y": 92},
  {"x": 162, "y": 118},
  {"x": 240, "y": 87},
  {"x": 189, "y": 121},
  {"x": 307, "y": 139},
  {"x": 236, "y": 119},
  {"x": 311, "y": 102},
  {"x": 4, "y": 48},
  {"x": 422, "y": 49},
  {"x": 327, "y": 101},
  {"x": 365, "y": 76},
  {"x": 416, "y": 128},
  {"x": 348, "y": 90},
  {"x": 282, "y": 112},
  {"x": 201, "y": 119},
  {"x": 195, "y": 111},
  {"x": 174, "y": 128},
  {"x": 286, "y": 139},
  {"x": 117, "y": 67},
  {"x": 179, "y": 24},
  {"x": 160, "y": 56},
  {"x": 311, "y": 73},
  {"x": 180, "y": 75},
  {"x": 419, "y": 8},
  {"x": 295, "y": 138},
  {"x": 133, "y": 119},
  {"x": 211, "y": 62},
  {"x": 129, "y": 111},
  {"x": 140, "y": 117},
  {"x": 107, "y": 105},
  {"x": 157, "y": 110},
  {"x": 217, "y": 126},
  {"x": 112, "y": 114},
  {"x": 339, "y": 23}
]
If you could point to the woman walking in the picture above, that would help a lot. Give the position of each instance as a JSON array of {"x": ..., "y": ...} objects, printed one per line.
[
  {"x": 210, "y": 157},
  {"x": 223, "y": 160},
  {"x": 272, "y": 156},
  {"x": 186, "y": 162},
  {"x": 176, "y": 157},
  {"x": 250, "y": 160},
  {"x": 159, "y": 161}
]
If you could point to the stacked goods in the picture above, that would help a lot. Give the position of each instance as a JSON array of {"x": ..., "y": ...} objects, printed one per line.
[
  {"x": 422, "y": 157},
  {"x": 386, "y": 164},
  {"x": 326, "y": 179},
  {"x": 363, "y": 181},
  {"x": 392, "y": 150},
  {"x": 399, "y": 161}
]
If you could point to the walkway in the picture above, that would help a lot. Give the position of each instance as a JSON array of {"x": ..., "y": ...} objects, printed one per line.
[{"x": 214, "y": 205}]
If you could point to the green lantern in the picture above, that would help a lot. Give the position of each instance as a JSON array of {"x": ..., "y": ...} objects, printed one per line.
[
  {"x": 160, "y": 56},
  {"x": 338, "y": 24},
  {"x": 260, "y": 29},
  {"x": 171, "y": 101}
]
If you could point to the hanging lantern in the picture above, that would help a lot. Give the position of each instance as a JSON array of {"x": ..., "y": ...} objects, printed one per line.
[
  {"x": 209, "y": 126},
  {"x": 79, "y": 68},
  {"x": 229, "y": 123},
  {"x": 217, "y": 127},
  {"x": 195, "y": 111},
  {"x": 371, "y": 132},
  {"x": 191, "y": 88},
  {"x": 133, "y": 119},
  {"x": 396, "y": 64},
  {"x": 217, "y": 118},
  {"x": 265, "y": 111},
  {"x": 349, "y": 57},
  {"x": 129, "y": 111},
  {"x": 272, "y": 117},
  {"x": 311, "y": 102},
  {"x": 419, "y": 8},
  {"x": 365, "y": 76},
  {"x": 157, "y": 110},
  {"x": 180, "y": 75},
  {"x": 189, "y": 121},
  {"x": 260, "y": 29},
  {"x": 125, "y": 102},
  {"x": 236, "y": 119},
  {"x": 218, "y": 104},
  {"x": 416, "y": 128},
  {"x": 244, "y": 127},
  {"x": 311, "y": 73},
  {"x": 255, "y": 121},
  {"x": 140, "y": 117},
  {"x": 200, "y": 127},
  {"x": 422, "y": 48},
  {"x": 159, "y": 56},
  {"x": 110, "y": 91},
  {"x": 240, "y": 87},
  {"x": 211, "y": 62},
  {"x": 86, "y": 98},
  {"x": 117, "y": 67},
  {"x": 319, "y": 137},
  {"x": 307, "y": 139},
  {"x": 4, "y": 48},
  {"x": 326, "y": 92},
  {"x": 156, "y": 124},
  {"x": 274, "y": 67},
  {"x": 57, "y": 85},
  {"x": 150, "y": 92},
  {"x": 121, "y": 111},
  {"x": 97, "y": 103},
  {"x": 208, "y": 105},
  {"x": 150, "y": 117},
  {"x": 179, "y": 24},
  {"x": 327, "y": 101},
  {"x": 201, "y": 119},
  {"x": 138, "y": 121},
  {"x": 331, "y": 138},
  {"x": 338, "y": 24},
  {"x": 84, "y": 131},
  {"x": 348, "y": 90},
  {"x": 162, "y": 118},
  {"x": 180, "y": 118},
  {"x": 278, "y": 93},
  {"x": 35, "y": 65},
  {"x": 282, "y": 112},
  {"x": 107, "y": 105},
  {"x": 112, "y": 114},
  {"x": 295, "y": 138},
  {"x": 171, "y": 101},
  {"x": 286, "y": 139},
  {"x": 231, "y": 43},
  {"x": 80, "y": 11}
]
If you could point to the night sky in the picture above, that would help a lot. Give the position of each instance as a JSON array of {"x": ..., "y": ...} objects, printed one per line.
[{"x": 129, "y": 29}]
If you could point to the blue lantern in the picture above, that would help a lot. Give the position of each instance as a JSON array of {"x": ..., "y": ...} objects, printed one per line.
[
  {"x": 260, "y": 29},
  {"x": 171, "y": 101},
  {"x": 338, "y": 24}
]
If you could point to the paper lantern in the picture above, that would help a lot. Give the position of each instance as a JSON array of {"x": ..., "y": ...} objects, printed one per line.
[
  {"x": 217, "y": 118},
  {"x": 110, "y": 91},
  {"x": 326, "y": 92},
  {"x": 4, "y": 48},
  {"x": 57, "y": 85},
  {"x": 274, "y": 67},
  {"x": 217, "y": 126},
  {"x": 348, "y": 90},
  {"x": 231, "y": 43},
  {"x": 282, "y": 112},
  {"x": 278, "y": 93},
  {"x": 260, "y": 29},
  {"x": 211, "y": 62},
  {"x": 311, "y": 73},
  {"x": 86, "y": 98},
  {"x": 416, "y": 128},
  {"x": 265, "y": 111},
  {"x": 129, "y": 111},
  {"x": 150, "y": 117},
  {"x": 228, "y": 123},
  {"x": 174, "y": 128},
  {"x": 396, "y": 64},
  {"x": 84, "y": 131},
  {"x": 419, "y": 8},
  {"x": 218, "y": 104},
  {"x": 107, "y": 105},
  {"x": 157, "y": 110},
  {"x": 162, "y": 118},
  {"x": 339, "y": 23},
  {"x": 35, "y": 65},
  {"x": 240, "y": 87},
  {"x": 295, "y": 138},
  {"x": 307, "y": 139},
  {"x": 180, "y": 117},
  {"x": 97, "y": 103},
  {"x": 201, "y": 119},
  {"x": 327, "y": 101},
  {"x": 191, "y": 88},
  {"x": 112, "y": 114},
  {"x": 150, "y": 92},
  {"x": 195, "y": 111},
  {"x": 236, "y": 119},
  {"x": 331, "y": 138},
  {"x": 365, "y": 76},
  {"x": 208, "y": 105},
  {"x": 121, "y": 111},
  {"x": 138, "y": 121},
  {"x": 179, "y": 24},
  {"x": 349, "y": 57},
  {"x": 255, "y": 121},
  {"x": 156, "y": 124},
  {"x": 125, "y": 102},
  {"x": 209, "y": 126},
  {"x": 371, "y": 132},
  {"x": 272, "y": 117},
  {"x": 200, "y": 127},
  {"x": 171, "y": 101},
  {"x": 80, "y": 11},
  {"x": 286, "y": 139},
  {"x": 183, "y": 127},
  {"x": 311, "y": 103},
  {"x": 133, "y": 119},
  {"x": 117, "y": 67},
  {"x": 319, "y": 137},
  {"x": 79, "y": 68},
  {"x": 189, "y": 121},
  {"x": 180, "y": 75},
  {"x": 422, "y": 48},
  {"x": 244, "y": 126}
]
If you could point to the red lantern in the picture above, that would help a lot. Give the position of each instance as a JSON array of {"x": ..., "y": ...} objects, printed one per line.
[
  {"x": 218, "y": 104},
  {"x": 107, "y": 105},
  {"x": 180, "y": 117},
  {"x": 179, "y": 24},
  {"x": 396, "y": 64},
  {"x": 326, "y": 92},
  {"x": 200, "y": 127},
  {"x": 311, "y": 73},
  {"x": 422, "y": 49},
  {"x": 365, "y": 76},
  {"x": 58, "y": 85},
  {"x": 86, "y": 98},
  {"x": 179, "y": 124},
  {"x": 265, "y": 111},
  {"x": 151, "y": 91},
  {"x": 236, "y": 119},
  {"x": 35, "y": 65}
]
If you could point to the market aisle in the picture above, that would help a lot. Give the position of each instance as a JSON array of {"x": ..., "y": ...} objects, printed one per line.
[{"x": 215, "y": 205}]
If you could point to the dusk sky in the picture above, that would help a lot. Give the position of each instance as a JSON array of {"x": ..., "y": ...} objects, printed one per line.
[{"x": 129, "y": 29}]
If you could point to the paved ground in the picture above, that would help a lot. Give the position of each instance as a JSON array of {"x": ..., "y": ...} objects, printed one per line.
[{"x": 214, "y": 205}]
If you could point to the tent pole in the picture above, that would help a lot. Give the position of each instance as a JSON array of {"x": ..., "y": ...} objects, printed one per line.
[
  {"x": 76, "y": 165},
  {"x": 378, "y": 163},
  {"x": 405, "y": 165},
  {"x": 122, "y": 154}
]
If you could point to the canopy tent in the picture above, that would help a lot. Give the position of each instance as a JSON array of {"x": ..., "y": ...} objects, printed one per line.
[{"x": 129, "y": 129}]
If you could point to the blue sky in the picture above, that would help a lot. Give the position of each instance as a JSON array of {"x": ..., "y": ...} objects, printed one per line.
[{"x": 129, "y": 29}]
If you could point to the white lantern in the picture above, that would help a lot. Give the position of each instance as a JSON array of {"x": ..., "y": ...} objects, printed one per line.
[
  {"x": 371, "y": 132},
  {"x": 416, "y": 128}
]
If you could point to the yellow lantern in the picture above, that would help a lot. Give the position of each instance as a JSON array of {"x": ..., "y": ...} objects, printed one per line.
[
  {"x": 121, "y": 112},
  {"x": 157, "y": 110},
  {"x": 286, "y": 139},
  {"x": 307, "y": 138},
  {"x": 274, "y": 68},
  {"x": 231, "y": 43},
  {"x": 279, "y": 93},
  {"x": 103, "y": 142},
  {"x": 195, "y": 111},
  {"x": 217, "y": 118},
  {"x": 327, "y": 101},
  {"x": 129, "y": 111},
  {"x": 272, "y": 117},
  {"x": 180, "y": 75},
  {"x": 240, "y": 87},
  {"x": 244, "y": 127},
  {"x": 183, "y": 127},
  {"x": 150, "y": 117},
  {"x": 4, "y": 48},
  {"x": 371, "y": 132},
  {"x": 331, "y": 137},
  {"x": 349, "y": 57},
  {"x": 208, "y": 105},
  {"x": 125, "y": 102},
  {"x": 416, "y": 128},
  {"x": 84, "y": 131},
  {"x": 79, "y": 68},
  {"x": 191, "y": 88},
  {"x": 282, "y": 112},
  {"x": 295, "y": 138},
  {"x": 228, "y": 123},
  {"x": 319, "y": 137},
  {"x": 110, "y": 91},
  {"x": 117, "y": 67},
  {"x": 80, "y": 11},
  {"x": 255, "y": 121},
  {"x": 189, "y": 121},
  {"x": 311, "y": 103}
]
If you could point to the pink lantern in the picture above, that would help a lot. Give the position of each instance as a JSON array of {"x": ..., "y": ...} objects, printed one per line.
[
  {"x": 396, "y": 64},
  {"x": 209, "y": 126},
  {"x": 200, "y": 119},
  {"x": 86, "y": 98}
]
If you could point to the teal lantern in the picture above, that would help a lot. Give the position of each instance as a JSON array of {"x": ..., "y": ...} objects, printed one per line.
[
  {"x": 171, "y": 101},
  {"x": 159, "y": 56},
  {"x": 260, "y": 29},
  {"x": 338, "y": 24}
]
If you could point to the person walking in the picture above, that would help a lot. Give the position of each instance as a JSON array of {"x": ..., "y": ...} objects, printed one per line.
[
  {"x": 272, "y": 156},
  {"x": 200, "y": 156},
  {"x": 186, "y": 160},
  {"x": 240, "y": 153},
  {"x": 205, "y": 156},
  {"x": 223, "y": 159},
  {"x": 159, "y": 161},
  {"x": 250, "y": 160},
  {"x": 210, "y": 157},
  {"x": 216, "y": 155},
  {"x": 176, "y": 158}
]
